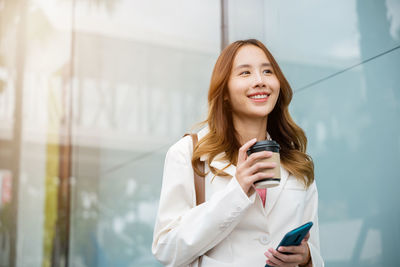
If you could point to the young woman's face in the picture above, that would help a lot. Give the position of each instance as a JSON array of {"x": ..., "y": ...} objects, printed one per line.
[{"x": 253, "y": 87}]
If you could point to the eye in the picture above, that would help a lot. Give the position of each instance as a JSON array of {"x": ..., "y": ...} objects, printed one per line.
[
  {"x": 267, "y": 71},
  {"x": 246, "y": 72}
]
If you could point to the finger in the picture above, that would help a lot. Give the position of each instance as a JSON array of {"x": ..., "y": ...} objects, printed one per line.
[
  {"x": 307, "y": 237},
  {"x": 270, "y": 263},
  {"x": 299, "y": 253},
  {"x": 249, "y": 162},
  {"x": 260, "y": 175},
  {"x": 272, "y": 259},
  {"x": 262, "y": 166},
  {"x": 287, "y": 258},
  {"x": 253, "y": 158},
  {"x": 282, "y": 257},
  {"x": 243, "y": 150},
  {"x": 291, "y": 249}
]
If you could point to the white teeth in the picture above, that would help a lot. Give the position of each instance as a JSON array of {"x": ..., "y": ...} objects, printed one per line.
[{"x": 258, "y": 96}]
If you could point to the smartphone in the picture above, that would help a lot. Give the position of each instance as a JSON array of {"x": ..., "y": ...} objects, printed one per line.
[{"x": 294, "y": 237}]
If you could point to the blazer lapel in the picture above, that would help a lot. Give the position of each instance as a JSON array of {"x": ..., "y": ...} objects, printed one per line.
[{"x": 274, "y": 192}]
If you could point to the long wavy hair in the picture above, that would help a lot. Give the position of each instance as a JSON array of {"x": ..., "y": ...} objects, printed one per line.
[{"x": 222, "y": 136}]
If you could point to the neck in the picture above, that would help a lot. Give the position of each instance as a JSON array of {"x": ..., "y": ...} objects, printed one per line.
[{"x": 250, "y": 128}]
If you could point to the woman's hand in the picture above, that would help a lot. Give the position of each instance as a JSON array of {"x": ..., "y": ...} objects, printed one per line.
[
  {"x": 249, "y": 168},
  {"x": 300, "y": 255}
]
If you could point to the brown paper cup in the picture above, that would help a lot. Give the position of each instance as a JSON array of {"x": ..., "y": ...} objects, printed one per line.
[
  {"x": 274, "y": 181},
  {"x": 268, "y": 145}
]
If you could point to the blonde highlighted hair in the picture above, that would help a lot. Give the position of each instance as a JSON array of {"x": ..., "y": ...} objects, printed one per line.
[{"x": 281, "y": 127}]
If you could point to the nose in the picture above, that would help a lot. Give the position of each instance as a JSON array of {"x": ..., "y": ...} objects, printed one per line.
[{"x": 258, "y": 80}]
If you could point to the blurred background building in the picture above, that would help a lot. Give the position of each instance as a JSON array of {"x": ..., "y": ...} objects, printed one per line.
[{"x": 93, "y": 92}]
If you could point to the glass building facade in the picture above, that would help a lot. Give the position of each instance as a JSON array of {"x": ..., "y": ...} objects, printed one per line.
[{"x": 93, "y": 92}]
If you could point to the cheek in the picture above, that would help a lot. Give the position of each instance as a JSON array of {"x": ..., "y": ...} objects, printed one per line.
[
  {"x": 276, "y": 88},
  {"x": 274, "y": 98},
  {"x": 236, "y": 90},
  {"x": 237, "y": 86},
  {"x": 275, "y": 84}
]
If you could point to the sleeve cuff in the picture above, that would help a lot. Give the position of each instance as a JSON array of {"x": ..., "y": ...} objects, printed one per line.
[{"x": 234, "y": 184}]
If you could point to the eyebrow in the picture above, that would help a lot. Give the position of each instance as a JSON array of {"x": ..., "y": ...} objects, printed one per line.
[{"x": 248, "y": 66}]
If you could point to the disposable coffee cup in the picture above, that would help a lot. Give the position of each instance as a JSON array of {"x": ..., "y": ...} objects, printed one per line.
[{"x": 268, "y": 145}]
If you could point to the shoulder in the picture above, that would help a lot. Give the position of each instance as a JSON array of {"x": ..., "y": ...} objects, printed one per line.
[
  {"x": 183, "y": 148},
  {"x": 295, "y": 182}
]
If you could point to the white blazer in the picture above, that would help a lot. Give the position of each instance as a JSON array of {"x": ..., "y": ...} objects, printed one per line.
[{"x": 229, "y": 228}]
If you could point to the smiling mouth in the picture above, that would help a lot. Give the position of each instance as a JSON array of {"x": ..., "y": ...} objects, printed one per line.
[{"x": 259, "y": 96}]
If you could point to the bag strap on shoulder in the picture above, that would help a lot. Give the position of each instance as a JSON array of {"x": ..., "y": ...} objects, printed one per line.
[{"x": 199, "y": 182}]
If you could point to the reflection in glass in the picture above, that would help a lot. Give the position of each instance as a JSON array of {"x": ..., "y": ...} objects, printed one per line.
[
  {"x": 136, "y": 80},
  {"x": 348, "y": 105}
]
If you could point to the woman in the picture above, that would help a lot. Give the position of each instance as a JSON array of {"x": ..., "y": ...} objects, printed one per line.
[{"x": 237, "y": 225}]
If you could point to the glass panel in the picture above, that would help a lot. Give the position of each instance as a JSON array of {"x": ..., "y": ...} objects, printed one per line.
[
  {"x": 342, "y": 58},
  {"x": 245, "y": 19},
  {"x": 139, "y": 73},
  {"x": 353, "y": 129},
  {"x": 331, "y": 35},
  {"x": 34, "y": 50}
]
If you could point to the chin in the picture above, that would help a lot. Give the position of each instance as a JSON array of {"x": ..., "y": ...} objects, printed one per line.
[
  {"x": 259, "y": 115},
  {"x": 262, "y": 113}
]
